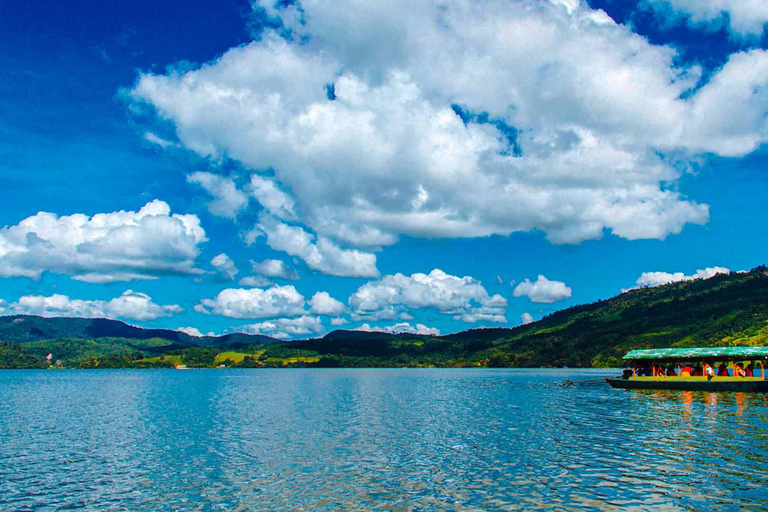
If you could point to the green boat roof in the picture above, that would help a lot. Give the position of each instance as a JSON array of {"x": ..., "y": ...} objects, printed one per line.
[{"x": 699, "y": 353}]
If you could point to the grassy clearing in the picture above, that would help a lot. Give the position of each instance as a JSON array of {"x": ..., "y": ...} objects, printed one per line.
[
  {"x": 174, "y": 359},
  {"x": 235, "y": 357}
]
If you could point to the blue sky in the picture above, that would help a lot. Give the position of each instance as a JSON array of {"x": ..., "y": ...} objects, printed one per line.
[{"x": 603, "y": 145}]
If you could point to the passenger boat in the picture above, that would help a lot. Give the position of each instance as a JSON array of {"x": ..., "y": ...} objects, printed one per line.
[{"x": 696, "y": 369}]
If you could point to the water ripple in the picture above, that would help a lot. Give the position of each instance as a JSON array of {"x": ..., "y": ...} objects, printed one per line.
[{"x": 394, "y": 440}]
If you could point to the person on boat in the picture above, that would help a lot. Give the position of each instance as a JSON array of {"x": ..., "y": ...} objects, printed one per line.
[
  {"x": 738, "y": 371},
  {"x": 671, "y": 371},
  {"x": 749, "y": 371},
  {"x": 709, "y": 371},
  {"x": 722, "y": 370},
  {"x": 687, "y": 371},
  {"x": 697, "y": 371}
]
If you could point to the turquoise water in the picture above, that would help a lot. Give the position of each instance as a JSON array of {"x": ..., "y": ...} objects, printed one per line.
[{"x": 372, "y": 439}]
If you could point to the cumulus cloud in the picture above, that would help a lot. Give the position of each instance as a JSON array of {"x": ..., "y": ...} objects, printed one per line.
[
  {"x": 194, "y": 331},
  {"x": 651, "y": 279},
  {"x": 403, "y": 327},
  {"x": 254, "y": 281},
  {"x": 322, "y": 254},
  {"x": 274, "y": 200},
  {"x": 464, "y": 298},
  {"x": 130, "y": 305},
  {"x": 744, "y": 18},
  {"x": 466, "y": 119},
  {"x": 225, "y": 267},
  {"x": 287, "y": 327},
  {"x": 277, "y": 301},
  {"x": 339, "y": 321},
  {"x": 275, "y": 268},
  {"x": 117, "y": 246},
  {"x": 323, "y": 304},
  {"x": 228, "y": 200},
  {"x": 526, "y": 318},
  {"x": 543, "y": 290}
]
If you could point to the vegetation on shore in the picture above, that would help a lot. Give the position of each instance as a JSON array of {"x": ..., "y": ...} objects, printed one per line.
[{"x": 721, "y": 311}]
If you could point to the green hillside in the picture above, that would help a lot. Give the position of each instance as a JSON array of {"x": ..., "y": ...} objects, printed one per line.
[
  {"x": 24, "y": 329},
  {"x": 720, "y": 311}
]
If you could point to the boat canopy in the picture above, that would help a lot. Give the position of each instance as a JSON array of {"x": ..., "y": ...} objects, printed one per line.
[{"x": 698, "y": 354}]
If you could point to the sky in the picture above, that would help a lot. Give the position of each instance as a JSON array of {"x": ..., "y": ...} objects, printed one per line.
[{"x": 289, "y": 168}]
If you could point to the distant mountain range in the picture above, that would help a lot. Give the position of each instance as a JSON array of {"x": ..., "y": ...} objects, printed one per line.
[
  {"x": 723, "y": 310},
  {"x": 26, "y": 328}
]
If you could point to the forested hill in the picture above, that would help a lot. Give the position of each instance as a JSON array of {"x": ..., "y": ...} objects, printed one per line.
[
  {"x": 27, "y": 328},
  {"x": 723, "y": 310},
  {"x": 720, "y": 311}
]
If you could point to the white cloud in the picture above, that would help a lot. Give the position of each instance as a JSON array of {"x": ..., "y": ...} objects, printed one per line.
[
  {"x": 225, "y": 267},
  {"x": 597, "y": 111},
  {"x": 543, "y": 290},
  {"x": 274, "y": 200},
  {"x": 275, "y": 268},
  {"x": 403, "y": 327},
  {"x": 651, "y": 279},
  {"x": 526, "y": 318},
  {"x": 463, "y": 297},
  {"x": 339, "y": 321},
  {"x": 323, "y": 304},
  {"x": 159, "y": 141},
  {"x": 228, "y": 199},
  {"x": 130, "y": 305},
  {"x": 107, "y": 247},
  {"x": 276, "y": 301},
  {"x": 194, "y": 331},
  {"x": 254, "y": 281},
  {"x": 322, "y": 255},
  {"x": 745, "y": 18},
  {"x": 288, "y": 327}
]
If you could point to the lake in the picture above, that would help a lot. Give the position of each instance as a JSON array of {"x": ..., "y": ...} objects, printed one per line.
[{"x": 399, "y": 439}]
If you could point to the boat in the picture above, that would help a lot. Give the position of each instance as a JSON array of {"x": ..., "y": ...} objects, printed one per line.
[{"x": 696, "y": 369}]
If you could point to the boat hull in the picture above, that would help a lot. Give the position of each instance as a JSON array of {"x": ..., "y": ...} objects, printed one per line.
[{"x": 759, "y": 386}]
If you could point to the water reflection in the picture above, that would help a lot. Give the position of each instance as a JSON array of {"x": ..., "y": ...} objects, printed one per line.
[{"x": 364, "y": 439}]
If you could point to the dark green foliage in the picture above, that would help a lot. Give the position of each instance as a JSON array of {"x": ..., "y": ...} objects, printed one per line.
[
  {"x": 14, "y": 356},
  {"x": 72, "y": 351},
  {"x": 724, "y": 310},
  {"x": 249, "y": 362},
  {"x": 199, "y": 357}
]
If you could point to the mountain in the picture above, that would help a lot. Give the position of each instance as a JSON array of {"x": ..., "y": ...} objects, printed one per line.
[
  {"x": 720, "y": 311},
  {"x": 23, "y": 329},
  {"x": 723, "y": 310},
  {"x": 727, "y": 309}
]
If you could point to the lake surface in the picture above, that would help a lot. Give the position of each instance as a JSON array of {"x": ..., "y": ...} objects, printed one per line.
[{"x": 372, "y": 439}]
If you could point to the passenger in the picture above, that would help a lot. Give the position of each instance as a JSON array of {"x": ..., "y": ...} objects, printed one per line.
[
  {"x": 749, "y": 371},
  {"x": 722, "y": 371},
  {"x": 660, "y": 371},
  {"x": 671, "y": 371},
  {"x": 697, "y": 371},
  {"x": 738, "y": 371},
  {"x": 687, "y": 371},
  {"x": 709, "y": 371}
]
